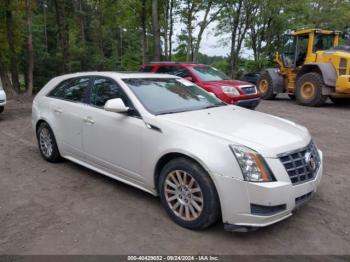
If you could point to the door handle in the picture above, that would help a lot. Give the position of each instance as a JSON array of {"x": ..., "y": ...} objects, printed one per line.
[
  {"x": 58, "y": 110},
  {"x": 88, "y": 120}
]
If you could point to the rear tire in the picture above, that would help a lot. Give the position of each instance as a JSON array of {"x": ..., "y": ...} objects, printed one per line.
[
  {"x": 308, "y": 90},
  {"x": 177, "y": 194},
  {"x": 47, "y": 143},
  {"x": 265, "y": 86},
  {"x": 340, "y": 101}
]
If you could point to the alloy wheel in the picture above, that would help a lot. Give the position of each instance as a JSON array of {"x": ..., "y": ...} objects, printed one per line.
[
  {"x": 45, "y": 141},
  {"x": 183, "y": 195}
]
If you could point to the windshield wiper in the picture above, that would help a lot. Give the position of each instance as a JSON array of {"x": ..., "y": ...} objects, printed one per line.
[
  {"x": 211, "y": 106},
  {"x": 171, "y": 112},
  {"x": 192, "y": 109}
]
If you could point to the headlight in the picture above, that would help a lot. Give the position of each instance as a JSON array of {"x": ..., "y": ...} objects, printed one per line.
[
  {"x": 230, "y": 90},
  {"x": 253, "y": 166}
]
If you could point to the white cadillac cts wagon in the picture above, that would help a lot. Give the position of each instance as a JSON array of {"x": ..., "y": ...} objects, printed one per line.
[{"x": 163, "y": 134}]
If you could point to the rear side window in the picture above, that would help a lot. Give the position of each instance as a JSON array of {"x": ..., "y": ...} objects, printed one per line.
[
  {"x": 72, "y": 90},
  {"x": 146, "y": 69},
  {"x": 104, "y": 89}
]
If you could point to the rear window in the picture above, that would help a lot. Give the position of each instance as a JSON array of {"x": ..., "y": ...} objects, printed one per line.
[
  {"x": 174, "y": 70},
  {"x": 146, "y": 69}
]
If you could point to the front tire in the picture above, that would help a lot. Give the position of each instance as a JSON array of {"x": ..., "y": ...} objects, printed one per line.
[
  {"x": 188, "y": 194},
  {"x": 2, "y": 109},
  {"x": 308, "y": 90},
  {"x": 47, "y": 143},
  {"x": 265, "y": 86}
]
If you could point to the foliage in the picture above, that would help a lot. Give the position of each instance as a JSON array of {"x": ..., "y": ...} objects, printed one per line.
[{"x": 82, "y": 35}]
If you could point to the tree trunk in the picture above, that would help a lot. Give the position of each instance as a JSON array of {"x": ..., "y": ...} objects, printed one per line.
[
  {"x": 203, "y": 24},
  {"x": 82, "y": 23},
  {"x": 30, "y": 62},
  {"x": 234, "y": 53},
  {"x": 144, "y": 32},
  {"x": 11, "y": 44},
  {"x": 189, "y": 54},
  {"x": 5, "y": 80},
  {"x": 166, "y": 21},
  {"x": 171, "y": 27},
  {"x": 63, "y": 37},
  {"x": 156, "y": 32},
  {"x": 100, "y": 36}
]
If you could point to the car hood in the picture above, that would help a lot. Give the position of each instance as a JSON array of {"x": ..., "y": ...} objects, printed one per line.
[
  {"x": 267, "y": 134},
  {"x": 228, "y": 83}
]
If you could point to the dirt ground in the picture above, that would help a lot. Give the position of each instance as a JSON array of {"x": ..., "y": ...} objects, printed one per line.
[{"x": 67, "y": 209}]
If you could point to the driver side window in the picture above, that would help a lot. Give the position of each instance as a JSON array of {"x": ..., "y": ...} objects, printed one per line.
[
  {"x": 289, "y": 51},
  {"x": 303, "y": 42},
  {"x": 104, "y": 89}
]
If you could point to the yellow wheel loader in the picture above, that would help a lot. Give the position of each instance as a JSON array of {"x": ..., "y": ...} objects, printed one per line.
[{"x": 312, "y": 67}]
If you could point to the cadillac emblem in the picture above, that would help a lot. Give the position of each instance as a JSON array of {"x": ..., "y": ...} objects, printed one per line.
[{"x": 310, "y": 161}]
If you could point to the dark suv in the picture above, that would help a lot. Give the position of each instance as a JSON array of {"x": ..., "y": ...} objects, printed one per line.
[{"x": 212, "y": 80}]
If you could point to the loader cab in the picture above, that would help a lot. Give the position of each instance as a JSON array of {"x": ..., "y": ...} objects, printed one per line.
[
  {"x": 295, "y": 50},
  {"x": 300, "y": 47}
]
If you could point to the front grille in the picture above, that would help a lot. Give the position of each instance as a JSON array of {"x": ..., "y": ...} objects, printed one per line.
[
  {"x": 342, "y": 66},
  {"x": 266, "y": 210},
  {"x": 301, "y": 165},
  {"x": 248, "y": 90},
  {"x": 2, "y": 101}
]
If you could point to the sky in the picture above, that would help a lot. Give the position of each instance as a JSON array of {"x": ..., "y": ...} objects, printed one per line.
[{"x": 211, "y": 45}]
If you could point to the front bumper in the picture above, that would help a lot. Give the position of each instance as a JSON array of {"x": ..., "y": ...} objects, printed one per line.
[
  {"x": 237, "y": 196},
  {"x": 249, "y": 103}
]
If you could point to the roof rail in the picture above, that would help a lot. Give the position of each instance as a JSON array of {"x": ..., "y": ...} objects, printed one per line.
[
  {"x": 162, "y": 62},
  {"x": 169, "y": 62}
]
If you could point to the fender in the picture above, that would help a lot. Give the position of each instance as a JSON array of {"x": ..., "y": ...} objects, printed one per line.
[
  {"x": 326, "y": 70},
  {"x": 277, "y": 80}
]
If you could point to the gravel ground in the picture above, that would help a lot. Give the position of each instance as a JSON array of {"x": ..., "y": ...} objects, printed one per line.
[{"x": 67, "y": 209}]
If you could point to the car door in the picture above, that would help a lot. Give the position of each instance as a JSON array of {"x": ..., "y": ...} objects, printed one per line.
[
  {"x": 112, "y": 140},
  {"x": 66, "y": 105}
]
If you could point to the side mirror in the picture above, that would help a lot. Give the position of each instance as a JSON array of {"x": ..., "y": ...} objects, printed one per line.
[
  {"x": 116, "y": 105},
  {"x": 189, "y": 78}
]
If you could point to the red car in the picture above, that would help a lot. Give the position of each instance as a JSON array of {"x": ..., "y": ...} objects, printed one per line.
[{"x": 209, "y": 78}]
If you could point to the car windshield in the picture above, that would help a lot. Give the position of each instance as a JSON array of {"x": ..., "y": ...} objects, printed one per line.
[
  {"x": 170, "y": 95},
  {"x": 207, "y": 73}
]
